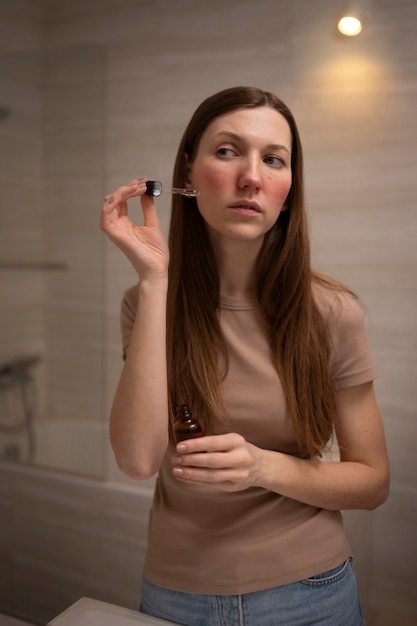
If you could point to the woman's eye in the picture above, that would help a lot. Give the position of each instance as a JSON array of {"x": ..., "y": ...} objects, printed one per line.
[
  {"x": 274, "y": 160},
  {"x": 225, "y": 152}
]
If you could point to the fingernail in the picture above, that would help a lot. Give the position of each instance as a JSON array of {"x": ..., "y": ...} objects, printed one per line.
[
  {"x": 178, "y": 471},
  {"x": 181, "y": 447},
  {"x": 137, "y": 181},
  {"x": 109, "y": 199}
]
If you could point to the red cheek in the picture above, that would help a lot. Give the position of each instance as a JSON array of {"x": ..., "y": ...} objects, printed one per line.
[
  {"x": 212, "y": 177},
  {"x": 214, "y": 180},
  {"x": 282, "y": 190}
]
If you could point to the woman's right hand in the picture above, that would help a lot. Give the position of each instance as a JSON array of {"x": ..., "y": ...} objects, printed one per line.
[{"x": 145, "y": 246}]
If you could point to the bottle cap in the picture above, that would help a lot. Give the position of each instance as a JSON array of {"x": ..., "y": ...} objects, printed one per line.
[{"x": 153, "y": 188}]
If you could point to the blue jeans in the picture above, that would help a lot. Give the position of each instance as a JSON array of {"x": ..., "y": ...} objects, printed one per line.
[{"x": 329, "y": 599}]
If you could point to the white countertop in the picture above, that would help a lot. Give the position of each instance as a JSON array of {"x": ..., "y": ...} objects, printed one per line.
[{"x": 89, "y": 612}]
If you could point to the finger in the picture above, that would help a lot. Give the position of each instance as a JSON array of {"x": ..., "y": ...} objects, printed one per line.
[
  {"x": 204, "y": 477},
  {"x": 193, "y": 460},
  {"x": 109, "y": 204},
  {"x": 211, "y": 443},
  {"x": 106, "y": 216},
  {"x": 126, "y": 192},
  {"x": 150, "y": 216},
  {"x": 115, "y": 204},
  {"x": 212, "y": 460},
  {"x": 122, "y": 194}
]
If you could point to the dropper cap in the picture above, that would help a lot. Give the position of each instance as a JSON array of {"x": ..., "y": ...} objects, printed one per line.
[{"x": 185, "y": 425}]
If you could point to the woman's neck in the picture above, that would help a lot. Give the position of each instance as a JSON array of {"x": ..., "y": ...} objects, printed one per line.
[{"x": 237, "y": 263}]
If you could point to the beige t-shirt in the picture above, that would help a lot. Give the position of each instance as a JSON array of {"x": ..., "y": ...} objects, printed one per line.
[{"x": 202, "y": 540}]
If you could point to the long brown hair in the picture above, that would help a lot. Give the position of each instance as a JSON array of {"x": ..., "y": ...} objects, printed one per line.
[{"x": 197, "y": 354}]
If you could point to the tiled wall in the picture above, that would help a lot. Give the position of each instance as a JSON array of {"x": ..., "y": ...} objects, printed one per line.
[
  {"x": 74, "y": 179},
  {"x": 355, "y": 103},
  {"x": 21, "y": 179},
  {"x": 51, "y": 251}
]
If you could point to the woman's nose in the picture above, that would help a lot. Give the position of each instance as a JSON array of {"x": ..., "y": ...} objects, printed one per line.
[{"x": 250, "y": 177}]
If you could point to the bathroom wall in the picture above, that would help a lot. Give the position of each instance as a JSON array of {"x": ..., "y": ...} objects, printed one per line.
[
  {"x": 355, "y": 102},
  {"x": 51, "y": 251},
  {"x": 73, "y": 180},
  {"x": 21, "y": 172}
]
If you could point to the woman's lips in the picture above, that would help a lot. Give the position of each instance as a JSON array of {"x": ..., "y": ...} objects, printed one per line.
[{"x": 246, "y": 207}]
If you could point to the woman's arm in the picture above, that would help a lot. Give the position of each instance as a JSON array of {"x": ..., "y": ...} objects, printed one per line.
[
  {"x": 139, "y": 415},
  {"x": 360, "y": 480}
]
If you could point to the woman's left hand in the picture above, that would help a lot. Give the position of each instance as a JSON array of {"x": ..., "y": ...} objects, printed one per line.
[{"x": 227, "y": 462}]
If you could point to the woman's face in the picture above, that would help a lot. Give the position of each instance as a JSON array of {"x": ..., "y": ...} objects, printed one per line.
[{"x": 243, "y": 173}]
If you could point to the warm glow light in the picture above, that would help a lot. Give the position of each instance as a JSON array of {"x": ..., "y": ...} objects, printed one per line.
[{"x": 349, "y": 26}]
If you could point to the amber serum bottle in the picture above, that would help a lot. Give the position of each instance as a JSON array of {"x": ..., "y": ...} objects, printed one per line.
[{"x": 185, "y": 425}]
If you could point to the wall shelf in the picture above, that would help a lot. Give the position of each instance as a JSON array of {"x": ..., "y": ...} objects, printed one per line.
[{"x": 47, "y": 266}]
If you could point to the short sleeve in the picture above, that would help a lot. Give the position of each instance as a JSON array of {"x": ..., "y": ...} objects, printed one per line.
[
  {"x": 127, "y": 315},
  {"x": 350, "y": 360}
]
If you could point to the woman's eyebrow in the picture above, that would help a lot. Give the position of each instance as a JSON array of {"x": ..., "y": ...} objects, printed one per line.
[{"x": 273, "y": 146}]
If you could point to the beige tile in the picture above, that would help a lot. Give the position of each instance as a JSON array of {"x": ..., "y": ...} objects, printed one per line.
[
  {"x": 394, "y": 553},
  {"x": 21, "y": 26}
]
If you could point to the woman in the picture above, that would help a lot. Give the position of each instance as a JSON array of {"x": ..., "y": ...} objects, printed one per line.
[{"x": 271, "y": 357}]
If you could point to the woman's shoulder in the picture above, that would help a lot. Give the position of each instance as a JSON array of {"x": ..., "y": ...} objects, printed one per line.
[
  {"x": 350, "y": 354},
  {"x": 333, "y": 299}
]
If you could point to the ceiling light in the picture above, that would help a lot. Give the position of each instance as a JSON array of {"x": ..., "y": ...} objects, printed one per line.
[{"x": 349, "y": 25}]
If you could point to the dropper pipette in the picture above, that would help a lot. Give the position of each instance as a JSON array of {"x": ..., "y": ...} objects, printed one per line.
[{"x": 154, "y": 188}]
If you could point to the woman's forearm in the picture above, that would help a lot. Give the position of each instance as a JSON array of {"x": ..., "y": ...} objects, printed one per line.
[
  {"x": 330, "y": 485},
  {"x": 139, "y": 415},
  {"x": 360, "y": 480}
]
